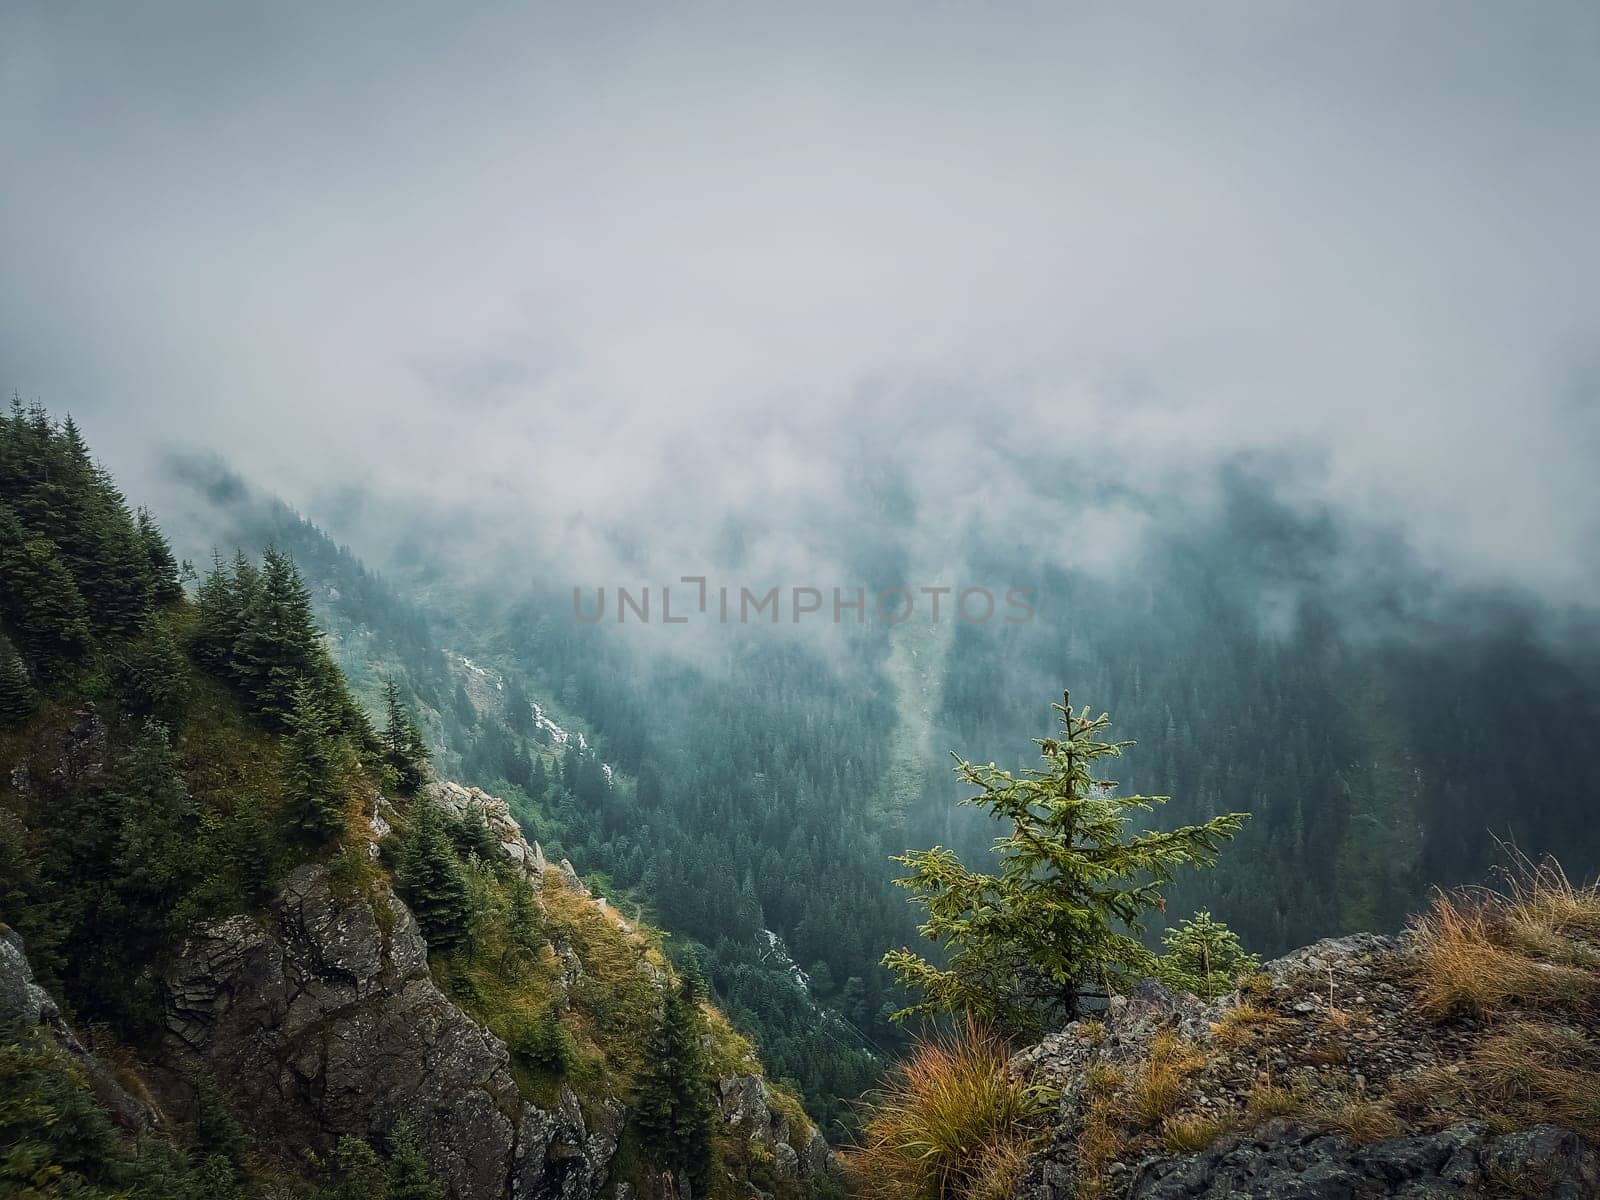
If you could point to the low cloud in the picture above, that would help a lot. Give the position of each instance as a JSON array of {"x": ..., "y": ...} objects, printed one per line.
[{"x": 606, "y": 289}]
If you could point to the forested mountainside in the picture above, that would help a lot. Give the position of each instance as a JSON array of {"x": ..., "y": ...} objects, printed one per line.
[
  {"x": 249, "y": 947},
  {"x": 1384, "y": 730},
  {"x": 740, "y": 803}
]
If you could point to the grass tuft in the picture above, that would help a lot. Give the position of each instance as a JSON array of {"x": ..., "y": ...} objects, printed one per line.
[
  {"x": 1241, "y": 1023},
  {"x": 1360, "y": 1120},
  {"x": 1159, "y": 1082},
  {"x": 951, "y": 1123},
  {"x": 1183, "y": 1135},
  {"x": 1268, "y": 1100},
  {"x": 1484, "y": 953}
]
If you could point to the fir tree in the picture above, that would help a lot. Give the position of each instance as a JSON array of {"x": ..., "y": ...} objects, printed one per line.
[
  {"x": 217, "y": 619},
  {"x": 403, "y": 748},
  {"x": 162, "y": 567},
  {"x": 39, "y": 599},
  {"x": 472, "y": 835},
  {"x": 408, "y": 1170},
  {"x": 17, "y": 698},
  {"x": 277, "y": 647},
  {"x": 1203, "y": 956},
  {"x": 675, "y": 1111},
  {"x": 1059, "y": 918},
  {"x": 431, "y": 878},
  {"x": 154, "y": 860},
  {"x": 151, "y": 675},
  {"x": 317, "y": 801}
]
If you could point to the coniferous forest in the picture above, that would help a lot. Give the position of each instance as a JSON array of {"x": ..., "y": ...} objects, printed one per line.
[{"x": 694, "y": 602}]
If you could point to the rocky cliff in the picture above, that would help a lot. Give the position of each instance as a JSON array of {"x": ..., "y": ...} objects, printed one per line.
[
  {"x": 320, "y": 1018},
  {"x": 1334, "y": 1074}
]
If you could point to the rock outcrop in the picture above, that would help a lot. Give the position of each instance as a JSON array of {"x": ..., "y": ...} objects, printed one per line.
[
  {"x": 323, "y": 1021},
  {"x": 1463, "y": 1160},
  {"x": 747, "y": 1109},
  {"x": 1324, "y": 1080},
  {"x": 464, "y": 803}
]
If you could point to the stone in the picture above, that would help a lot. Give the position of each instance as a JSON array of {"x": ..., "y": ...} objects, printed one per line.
[{"x": 324, "y": 1022}]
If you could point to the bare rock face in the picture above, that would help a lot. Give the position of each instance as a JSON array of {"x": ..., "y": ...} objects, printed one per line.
[
  {"x": 1461, "y": 1161},
  {"x": 745, "y": 1103},
  {"x": 323, "y": 1021}
]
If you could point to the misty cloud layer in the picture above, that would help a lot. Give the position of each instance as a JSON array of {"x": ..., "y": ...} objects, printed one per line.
[{"x": 591, "y": 284}]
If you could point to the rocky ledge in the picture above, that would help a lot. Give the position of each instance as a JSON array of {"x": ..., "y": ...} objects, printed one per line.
[
  {"x": 1283, "y": 1161},
  {"x": 1324, "y": 1078}
]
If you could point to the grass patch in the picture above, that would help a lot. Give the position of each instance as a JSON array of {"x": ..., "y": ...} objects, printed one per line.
[
  {"x": 1241, "y": 1023},
  {"x": 1103, "y": 1137},
  {"x": 1530, "y": 1072},
  {"x": 950, "y": 1123},
  {"x": 1160, "y": 1080},
  {"x": 1256, "y": 985},
  {"x": 1485, "y": 953},
  {"x": 1196, "y": 1131},
  {"x": 1269, "y": 1100},
  {"x": 1362, "y": 1121}
]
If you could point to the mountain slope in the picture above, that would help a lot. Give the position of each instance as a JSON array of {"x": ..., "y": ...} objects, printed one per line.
[{"x": 211, "y": 860}]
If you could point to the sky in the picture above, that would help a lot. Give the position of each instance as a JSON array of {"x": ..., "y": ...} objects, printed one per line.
[{"x": 566, "y": 270}]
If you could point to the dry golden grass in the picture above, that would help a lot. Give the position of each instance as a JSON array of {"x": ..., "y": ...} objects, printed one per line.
[
  {"x": 1091, "y": 1032},
  {"x": 951, "y": 1124},
  {"x": 1241, "y": 1023},
  {"x": 1543, "y": 895},
  {"x": 1257, "y": 985},
  {"x": 1485, "y": 952},
  {"x": 1103, "y": 1136},
  {"x": 1532, "y": 1072},
  {"x": 1360, "y": 1120},
  {"x": 1196, "y": 1131},
  {"x": 1159, "y": 1081},
  {"x": 1268, "y": 1100}
]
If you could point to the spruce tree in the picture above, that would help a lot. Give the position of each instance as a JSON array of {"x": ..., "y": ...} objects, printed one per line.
[
  {"x": 150, "y": 673},
  {"x": 317, "y": 802},
  {"x": 403, "y": 748},
  {"x": 408, "y": 1170},
  {"x": 217, "y": 618},
  {"x": 17, "y": 698},
  {"x": 432, "y": 881},
  {"x": 675, "y": 1111},
  {"x": 1060, "y": 917},
  {"x": 1203, "y": 956},
  {"x": 162, "y": 568},
  {"x": 277, "y": 647},
  {"x": 39, "y": 599}
]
